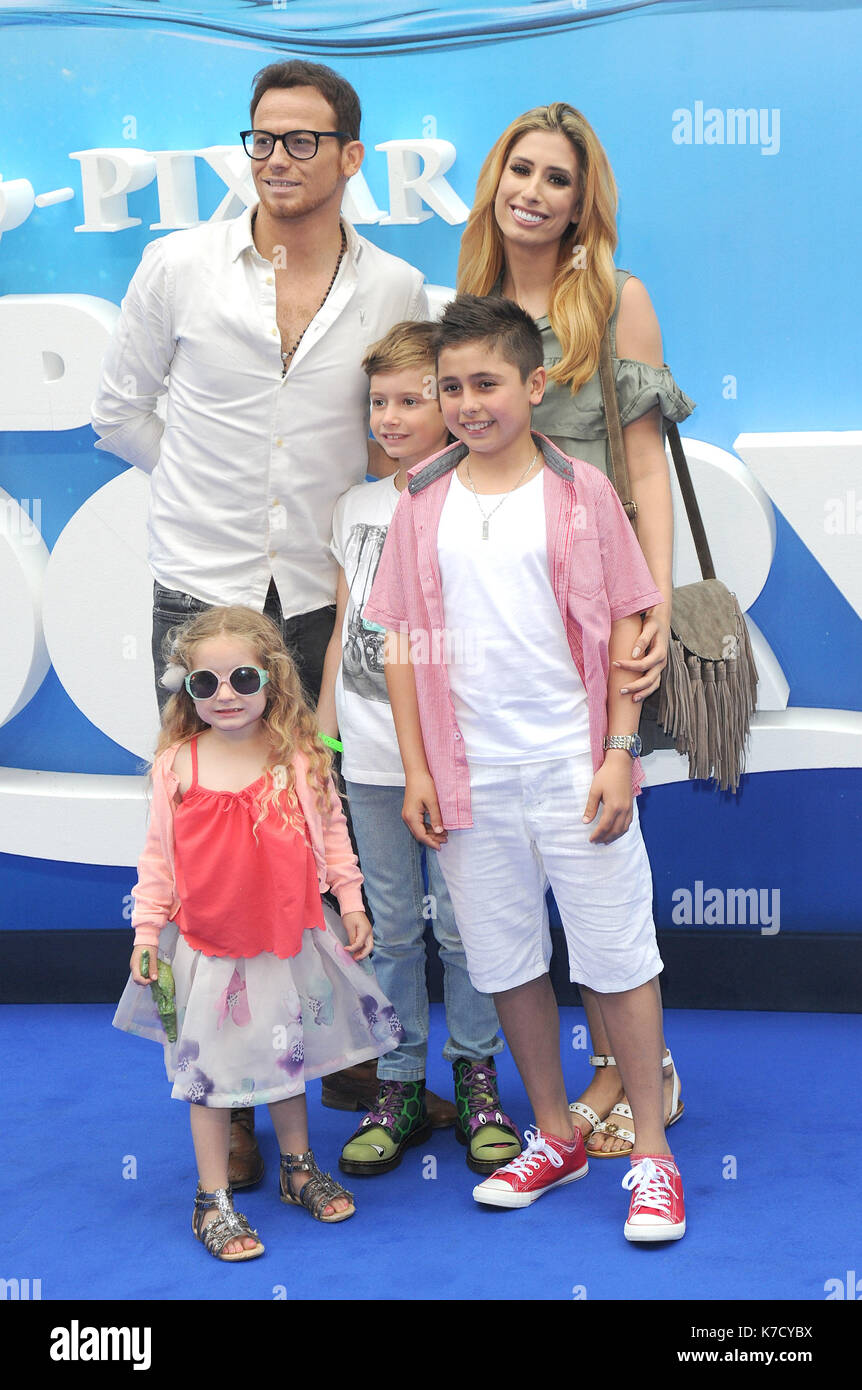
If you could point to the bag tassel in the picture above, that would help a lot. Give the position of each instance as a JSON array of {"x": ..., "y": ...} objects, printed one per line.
[
  {"x": 742, "y": 702},
  {"x": 698, "y": 760},
  {"x": 675, "y": 707},
  {"x": 725, "y": 722}
]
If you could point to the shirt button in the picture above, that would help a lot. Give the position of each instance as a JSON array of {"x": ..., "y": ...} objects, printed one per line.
[
  {"x": 275, "y": 502},
  {"x": 269, "y": 280},
  {"x": 457, "y": 738},
  {"x": 279, "y": 443},
  {"x": 274, "y": 331}
]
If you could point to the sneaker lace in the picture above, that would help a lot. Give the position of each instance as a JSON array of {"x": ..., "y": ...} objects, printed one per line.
[
  {"x": 530, "y": 1160},
  {"x": 654, "y": 1188}
]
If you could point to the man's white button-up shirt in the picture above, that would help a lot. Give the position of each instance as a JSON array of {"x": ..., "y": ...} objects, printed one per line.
[{"x": 248, "y": 464}]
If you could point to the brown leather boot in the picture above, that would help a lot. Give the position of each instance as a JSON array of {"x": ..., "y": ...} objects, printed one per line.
[
  {"x": 245, "y": 1165},
  {"x": 355, "y": 1088}
]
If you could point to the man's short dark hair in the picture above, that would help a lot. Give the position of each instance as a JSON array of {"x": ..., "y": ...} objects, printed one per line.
[
  {"x": 501, "y": 323},
  {"x": 331, "y": 85}
]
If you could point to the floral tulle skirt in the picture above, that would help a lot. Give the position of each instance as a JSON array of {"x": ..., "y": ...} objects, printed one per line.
[{"x": 254, "y": 1031}]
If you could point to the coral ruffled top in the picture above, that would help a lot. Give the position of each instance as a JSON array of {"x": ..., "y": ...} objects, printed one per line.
[{"x": 242, "y": 892}]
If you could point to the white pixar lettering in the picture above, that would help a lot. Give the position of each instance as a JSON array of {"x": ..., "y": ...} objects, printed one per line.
[{"x": 415, "y": 170}]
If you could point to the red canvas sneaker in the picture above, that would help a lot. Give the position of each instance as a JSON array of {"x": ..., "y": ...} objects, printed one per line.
[
  {"x": 545, "y": 1163},
  {"x": 657, "y": 1208}
]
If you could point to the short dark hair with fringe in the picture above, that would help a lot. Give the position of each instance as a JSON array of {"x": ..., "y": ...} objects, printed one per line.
[
  {"x": 501, "y": 323},
  {"x": 331, "y": 85}
]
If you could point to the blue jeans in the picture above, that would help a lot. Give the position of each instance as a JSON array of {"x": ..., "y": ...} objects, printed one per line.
[{"x": 391, "y": 861}]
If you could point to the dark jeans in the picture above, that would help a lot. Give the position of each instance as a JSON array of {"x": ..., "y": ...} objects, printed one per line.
[{"x": 306, "y": 636}]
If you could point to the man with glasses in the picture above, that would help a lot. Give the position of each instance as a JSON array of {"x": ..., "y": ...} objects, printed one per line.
[{"x": 253, "y": 331}]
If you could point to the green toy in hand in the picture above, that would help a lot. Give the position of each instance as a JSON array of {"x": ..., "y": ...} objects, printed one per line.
[{"x": 164, "y": 994}]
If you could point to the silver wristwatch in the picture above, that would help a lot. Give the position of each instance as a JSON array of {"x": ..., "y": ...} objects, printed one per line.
[{"x": 630, "y": 742}]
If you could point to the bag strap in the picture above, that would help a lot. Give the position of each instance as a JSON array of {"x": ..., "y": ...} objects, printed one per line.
[
  {"x": 618, "y": 464},
  {"x": 692, "y": 510},
  {"x": 619, "y": 472}
]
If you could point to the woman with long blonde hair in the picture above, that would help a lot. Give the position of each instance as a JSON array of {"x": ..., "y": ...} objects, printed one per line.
[
  {"x": 253, "y": 993},
  {"x": 542, "y": 231}
]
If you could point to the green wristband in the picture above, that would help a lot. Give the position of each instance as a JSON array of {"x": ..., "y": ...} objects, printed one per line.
[{"x": 330, "y": 742}]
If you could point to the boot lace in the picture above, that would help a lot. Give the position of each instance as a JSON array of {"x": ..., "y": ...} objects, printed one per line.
[
  {"x": 482, "y": 1098},
  {"x": 388, "y": 1106}
]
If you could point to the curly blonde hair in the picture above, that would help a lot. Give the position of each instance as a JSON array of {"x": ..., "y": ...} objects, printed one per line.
[
  {"x": 291, "y": 724},
  {"x": 583, "y": 292}
]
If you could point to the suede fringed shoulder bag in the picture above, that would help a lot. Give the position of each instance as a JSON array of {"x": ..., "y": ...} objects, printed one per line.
[{"x": 708, "y": 689}]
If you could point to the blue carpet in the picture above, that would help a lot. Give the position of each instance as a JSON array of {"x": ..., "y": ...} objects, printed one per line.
[{"x": 84, "y": 1102}]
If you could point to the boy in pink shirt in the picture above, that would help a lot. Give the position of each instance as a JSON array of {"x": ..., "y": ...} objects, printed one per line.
[{"x": 505, "y": 616}]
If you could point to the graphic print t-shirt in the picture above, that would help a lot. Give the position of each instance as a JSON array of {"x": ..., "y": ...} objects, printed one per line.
[{"x": 359, "y": 526}]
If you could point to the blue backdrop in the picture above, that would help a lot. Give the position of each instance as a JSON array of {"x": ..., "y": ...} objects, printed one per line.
[{"x": 748, "y": 250}]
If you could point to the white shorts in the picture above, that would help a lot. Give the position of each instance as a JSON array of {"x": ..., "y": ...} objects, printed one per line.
[{"x": 528, "y": 832}]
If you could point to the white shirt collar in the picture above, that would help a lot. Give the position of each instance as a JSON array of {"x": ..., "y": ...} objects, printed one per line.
[{"x": 242, "y": 237}]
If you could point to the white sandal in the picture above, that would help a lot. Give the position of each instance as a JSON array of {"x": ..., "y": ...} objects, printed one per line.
[
  {"x": 579, "y": 1108},
  {"x": 611, "y": 1127}
]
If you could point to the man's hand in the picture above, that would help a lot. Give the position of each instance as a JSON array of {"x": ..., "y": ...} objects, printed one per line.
[{"x": 612, "y": 787}]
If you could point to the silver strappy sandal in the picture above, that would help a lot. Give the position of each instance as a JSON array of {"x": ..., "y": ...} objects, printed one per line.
[
  {"x": 229, "y": 1225},
  {"x": 316, "y": 1194}
]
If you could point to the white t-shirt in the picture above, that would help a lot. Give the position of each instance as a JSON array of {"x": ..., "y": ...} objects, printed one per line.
[
  {"x": 359, "y": 525},
  {"x": 518, "y": 695}
]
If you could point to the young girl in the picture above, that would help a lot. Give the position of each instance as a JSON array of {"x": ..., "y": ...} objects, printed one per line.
[{"x": 246, "y": 830}]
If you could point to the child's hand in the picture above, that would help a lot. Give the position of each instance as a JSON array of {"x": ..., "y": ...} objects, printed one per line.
[
  {"x": 612, "y": 786},
  {"x": 135, "y": 965},
  {"x": 420, "y": 800},
  {"x": 359, "y": 934}
]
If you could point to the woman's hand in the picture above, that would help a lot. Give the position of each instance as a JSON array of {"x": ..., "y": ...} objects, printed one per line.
[
  {"x": 612, "y": 787},
  {"x": 359, "y": 934},
  {"x": 420, "y": 802},
  {"x": 649, "y": 655},
  {"x": 135, "y": 965}
]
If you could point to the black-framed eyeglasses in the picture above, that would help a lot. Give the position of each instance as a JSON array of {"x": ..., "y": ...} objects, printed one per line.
[
  {"x": 245, "y": 680},
  {"x": 299, "y": 144}
]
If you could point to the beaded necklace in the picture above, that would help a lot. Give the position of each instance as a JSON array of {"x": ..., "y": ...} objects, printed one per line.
[{"x": 286, "y": 356}]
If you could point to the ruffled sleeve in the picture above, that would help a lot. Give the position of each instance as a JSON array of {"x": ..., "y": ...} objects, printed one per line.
[{"x": 640, "y": 387}]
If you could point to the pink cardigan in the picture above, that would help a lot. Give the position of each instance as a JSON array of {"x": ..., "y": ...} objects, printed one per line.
[{"x": 156, "y": 901}]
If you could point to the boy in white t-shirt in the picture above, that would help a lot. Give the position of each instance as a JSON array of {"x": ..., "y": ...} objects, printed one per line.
[{"x": 407, "y": 423}]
